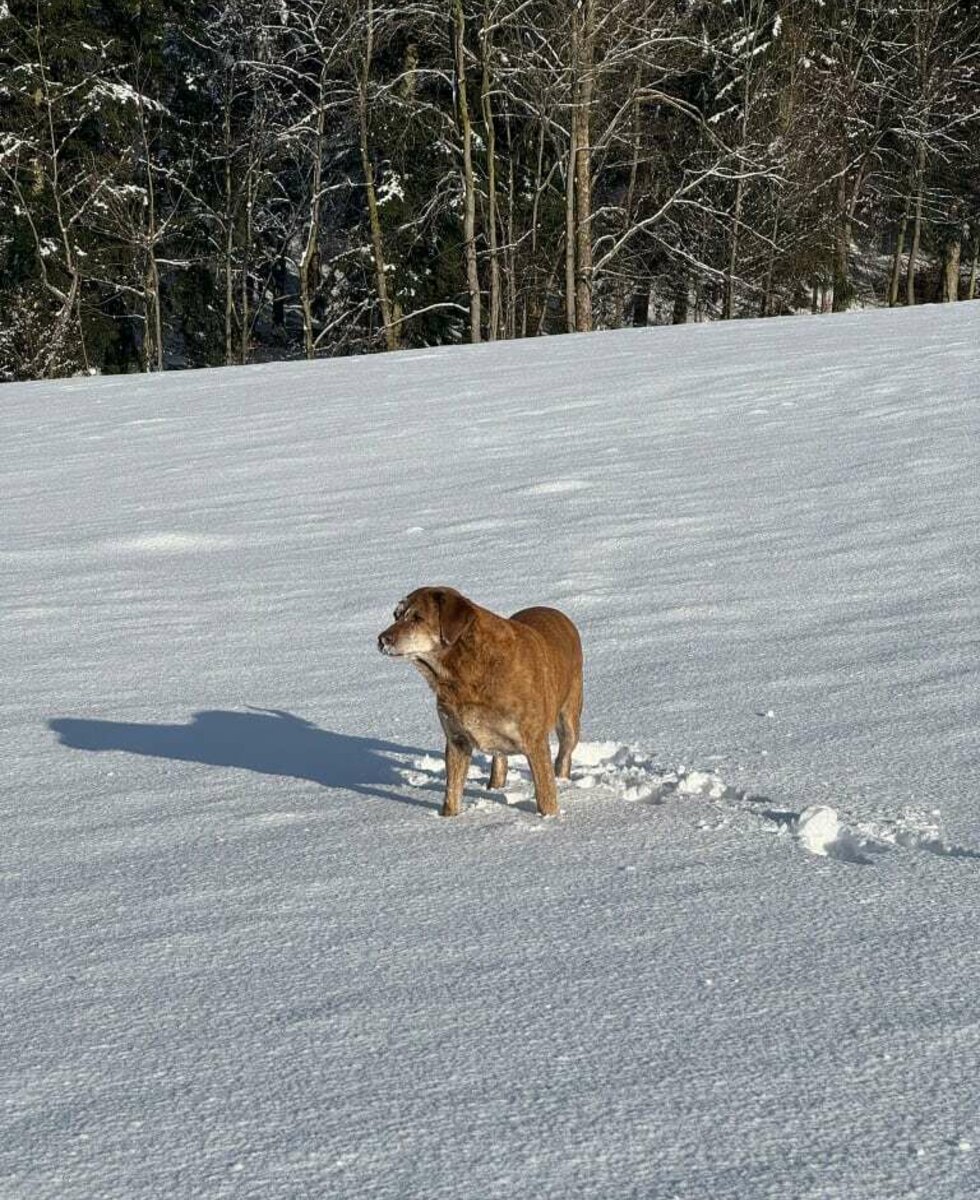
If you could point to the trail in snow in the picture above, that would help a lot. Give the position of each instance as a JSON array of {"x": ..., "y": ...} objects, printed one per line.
[{"x": 611, "y": 772}]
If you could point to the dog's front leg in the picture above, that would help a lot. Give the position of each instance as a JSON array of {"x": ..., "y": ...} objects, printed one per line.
[
  {"x": 543, "y": 774},
  {"x": 458, "y": 755}
]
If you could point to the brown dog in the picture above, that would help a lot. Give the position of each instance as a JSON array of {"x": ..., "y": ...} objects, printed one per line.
[{"x": 501, "y": 684}]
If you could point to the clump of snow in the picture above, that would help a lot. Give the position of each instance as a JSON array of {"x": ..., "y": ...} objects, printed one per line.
[
  {"x": 817, "y": 828},
  {"x": 429, "y": 762},
  {"x": 124, "y": 93},
  {"x": 591, "y": 754},
  {"x": 701, "y": 783},
  {"x": 390, "y": 188}
]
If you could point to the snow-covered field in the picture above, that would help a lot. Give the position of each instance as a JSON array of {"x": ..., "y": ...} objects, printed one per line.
[{"x": 241, "y": 956}]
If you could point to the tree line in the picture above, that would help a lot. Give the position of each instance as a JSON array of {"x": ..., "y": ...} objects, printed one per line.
[{"x": 191, "y": 183}]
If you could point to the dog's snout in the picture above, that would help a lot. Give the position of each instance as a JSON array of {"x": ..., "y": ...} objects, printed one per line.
[{"x": 384, "y": 642}]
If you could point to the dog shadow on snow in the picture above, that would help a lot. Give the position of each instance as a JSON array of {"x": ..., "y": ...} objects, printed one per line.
[{"x": 267, "y": 741}]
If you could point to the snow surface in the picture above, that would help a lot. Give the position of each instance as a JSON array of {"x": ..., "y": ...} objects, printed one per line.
[{"x": 240, "y": 955}]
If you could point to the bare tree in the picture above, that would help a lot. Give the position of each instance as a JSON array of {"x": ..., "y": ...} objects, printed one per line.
[
  {"x": 51, "y": 201},
  {"x": 469, "y": 182}
]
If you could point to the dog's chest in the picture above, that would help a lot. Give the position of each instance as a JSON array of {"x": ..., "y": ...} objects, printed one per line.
[{"x": 488, "y": 731}]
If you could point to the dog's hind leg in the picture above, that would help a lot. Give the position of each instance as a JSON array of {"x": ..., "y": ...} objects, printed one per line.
[
  {"x": 569, "y": 721},
  {"x": 545, "y": 791},
  {"x": 498, "y": 771}
]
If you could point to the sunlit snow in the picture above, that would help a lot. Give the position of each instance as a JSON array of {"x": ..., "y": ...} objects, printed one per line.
[{"x": 242, "y": 956}]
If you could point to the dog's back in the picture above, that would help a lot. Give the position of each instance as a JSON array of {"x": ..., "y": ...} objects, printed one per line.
[{"x": 560, "y": 634}]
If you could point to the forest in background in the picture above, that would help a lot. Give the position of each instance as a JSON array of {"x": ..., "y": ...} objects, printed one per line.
[{"x": 193, "y": 184}]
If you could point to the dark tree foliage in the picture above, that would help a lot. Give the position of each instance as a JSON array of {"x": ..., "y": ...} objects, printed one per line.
[{"x": 193, "y": 183}]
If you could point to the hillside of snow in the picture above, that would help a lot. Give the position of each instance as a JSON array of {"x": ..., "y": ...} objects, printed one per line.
[{"x": 241, "y": 956}]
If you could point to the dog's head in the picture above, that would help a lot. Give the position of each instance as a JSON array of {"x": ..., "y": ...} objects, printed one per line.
[{"x": 427, "y": 621}]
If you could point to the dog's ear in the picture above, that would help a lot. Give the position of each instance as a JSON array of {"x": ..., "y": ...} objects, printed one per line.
[{"x": 456, "y": 615}]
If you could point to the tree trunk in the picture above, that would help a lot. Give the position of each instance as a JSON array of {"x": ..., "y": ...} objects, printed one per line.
[
  {"x": 309, "y": 255},
  {"x": 728, "y": 305},
  {"x": 766, "y": 309},
  {"x": 229, "y": 229},
  {"x": 682, "y": 299},
  {"x": 530, "y": 315},
  {"x": 249, "y": 301},
  {"x": 843, "y": 291},
  {"x": 70, "y": 311},
  {"x": 637, "y": 307},
  {"x": 154, "y": 315},
  {"x": 246, "y": 244},
  {"x": 583, "y": 171},
  {"x": 971, "y": 290},
  {"x": 469, "y": 186},
  {"x": 72, "y": 302},
  {"x": 510, "y": 257},
  {"x": 897, "y": 260},
  {"x": 279, "y": 292},
  {"x": 920, "y": 164},
  {"x": 641, "y": 304},
  {"x": 391, "y": 334},
  {"x": 842, "y": 247},
  {"x": 952, "y": 250},
  {"x": 494, "y": 320},
  {"x": 843, "y": 285},
  {"x": 570, "y": 213}
]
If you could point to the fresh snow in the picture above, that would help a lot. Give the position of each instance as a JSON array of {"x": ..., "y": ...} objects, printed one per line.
[{"x": 240, "y": 954}]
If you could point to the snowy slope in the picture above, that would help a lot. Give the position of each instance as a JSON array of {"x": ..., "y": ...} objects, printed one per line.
[{"x": 240, "y": 956}]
